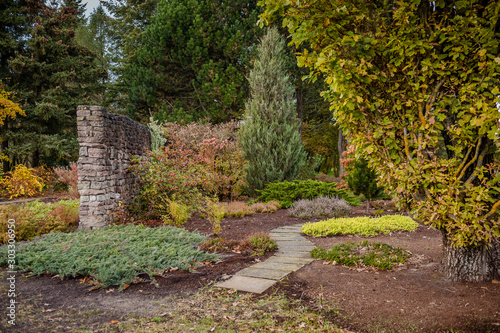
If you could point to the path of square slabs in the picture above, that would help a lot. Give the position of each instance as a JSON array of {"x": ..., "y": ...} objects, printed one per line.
[{"x": 293, "y": 253}]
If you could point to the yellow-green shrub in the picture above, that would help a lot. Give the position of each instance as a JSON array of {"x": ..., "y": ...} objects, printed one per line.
[
  {"x": 22, "y": 182},
  {"x": 37, "y": 218},
  {"x": 214, "y": 213},
  {"x": 178, "y": 213},
  {"x": 364, "y": 226}
]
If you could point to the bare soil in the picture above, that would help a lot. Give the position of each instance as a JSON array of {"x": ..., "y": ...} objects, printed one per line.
[{"x": 412, "y": 298}]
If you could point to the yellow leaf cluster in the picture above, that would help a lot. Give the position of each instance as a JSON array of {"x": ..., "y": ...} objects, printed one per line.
[{"x": 8, "y": 108}]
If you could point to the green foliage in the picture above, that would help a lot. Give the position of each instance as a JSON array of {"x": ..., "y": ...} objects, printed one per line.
[
  {"x": 362, "y": 179},
  {"x": 157, "y": 138},
  {"x": 37, "y": 218},
  {"x": 270, "y": 136},
  {"x": 189, "y": 65},
  {"x": 378, "y": 255},
  {"x": 114, "y": 255},
  {"x": 52, "y": 74},
  {"x": 415, "y": 84},
  {"x": 286, "y": 193},
  {"x": 320, "y": 137},
  {"x": 363, "y": 226}
]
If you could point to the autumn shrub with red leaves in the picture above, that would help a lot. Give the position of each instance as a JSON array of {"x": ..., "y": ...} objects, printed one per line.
[{"x": 69, "y": 176}]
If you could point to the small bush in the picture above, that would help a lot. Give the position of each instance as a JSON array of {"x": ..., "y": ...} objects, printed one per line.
[
  {"x": 319, "y": 207},
  {"x": 214, "y": 214},
  {"x": 178, "y": 212},
  {"x": 114, "y": 255},
  {"x": 262, "y": 243},
  {"x": 22, "y": 182},
  {"x": 364, "y": 226},
  {"x": 287, "y": 192},
  {"x": 69, "y": 176},
  {"x": 37, "y": 218},
  {"x": 378, "y": 255}
]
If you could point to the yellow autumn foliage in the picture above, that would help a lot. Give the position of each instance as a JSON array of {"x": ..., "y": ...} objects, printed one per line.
[{"x": 7, "y": 107}]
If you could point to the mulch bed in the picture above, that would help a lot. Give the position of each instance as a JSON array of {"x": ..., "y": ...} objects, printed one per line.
[{"x": 414, "y": 297}]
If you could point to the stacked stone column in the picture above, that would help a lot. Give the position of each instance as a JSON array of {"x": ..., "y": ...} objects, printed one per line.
[{"x": 107, "y": 144}]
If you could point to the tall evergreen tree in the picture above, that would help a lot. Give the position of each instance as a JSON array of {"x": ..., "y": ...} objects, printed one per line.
[
  {"x": 193, "y": 61},
  {"x": 270, "y": 136},
  {"x": 52, "y": 76}
]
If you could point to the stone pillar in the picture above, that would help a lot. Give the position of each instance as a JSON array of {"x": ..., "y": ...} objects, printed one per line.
[{"x": 107, "y": 143}]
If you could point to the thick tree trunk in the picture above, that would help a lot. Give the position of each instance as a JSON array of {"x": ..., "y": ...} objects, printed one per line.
[{"x": 471, "y": 264}]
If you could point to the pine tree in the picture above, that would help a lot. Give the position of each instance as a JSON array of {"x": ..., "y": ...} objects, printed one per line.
[
  {"x": 52, "y": 77},
  {"x": 270, "y": 136},
  {"x": 363, "y": 180}
]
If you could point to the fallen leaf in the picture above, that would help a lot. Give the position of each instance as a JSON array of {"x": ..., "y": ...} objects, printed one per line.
[
  {"x": 126, "y": 285},
  {"x": 113, "y": 321},
  {"x": 495, "y": 281}
]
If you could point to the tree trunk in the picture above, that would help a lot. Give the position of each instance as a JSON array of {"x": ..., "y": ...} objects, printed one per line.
[
  {"x": 471, "y": 264},
  {"x": 341, "y": 147}
]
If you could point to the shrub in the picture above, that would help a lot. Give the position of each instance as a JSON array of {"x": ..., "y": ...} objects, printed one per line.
[
  {"x": 262, "y": 243},
  {"x": 240, "y": 209},
  {"x": 378, "y": 255},
  {"x": 178, "y": 212},
  {"x": 217, "y": 146},
  {"x": 288, "y": 192},
  {"x": 214, "y": 214},
  {"x": 364, "y": 226},
  {"x": 362, "y": 179},
  {"x": 319, "y": 207},
  {"x": 270, "y": 136},
  {"x": 22, "y": 182},
  {"x": 69, "y": 176},
  {"x": 37, "y": 218},
  {"x": 114, "y": 255}
]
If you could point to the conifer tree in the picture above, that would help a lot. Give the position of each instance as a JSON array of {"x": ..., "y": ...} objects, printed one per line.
[{"x": 270, "y": 136}]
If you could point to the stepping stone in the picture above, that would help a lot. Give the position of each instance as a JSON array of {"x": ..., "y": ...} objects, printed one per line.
[
  {"x": 289, "y": 260},
  {"x": 296, "y": 248},
  {"x": 272, "y": 234},
  {"x": 293, "y": 254},
  {"x": 287, "y": 238},
  {"x": 280, "y": 266},
  {"x": 262, "y": 273},
  {"x": 245, "y": 283}
]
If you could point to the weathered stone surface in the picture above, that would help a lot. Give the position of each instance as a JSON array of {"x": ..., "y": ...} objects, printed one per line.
[
  {"x": 245, "y": 283},
  {"x": 107, "y": 142}
]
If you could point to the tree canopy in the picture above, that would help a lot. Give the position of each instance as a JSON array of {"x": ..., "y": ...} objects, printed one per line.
[{"x": 414, "y": 84}]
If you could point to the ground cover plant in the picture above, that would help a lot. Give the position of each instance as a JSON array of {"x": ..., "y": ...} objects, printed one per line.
[
  {"x": 364, "y": 226},
  {"x": 239, "y": 208},
  {"x": 115, "y": 255},
  {"x": 319, "y": 207},
  {"x": 287, "y": 192},
  {"x": 37, "y": 218},
  {"x": 378, "y": 255}
]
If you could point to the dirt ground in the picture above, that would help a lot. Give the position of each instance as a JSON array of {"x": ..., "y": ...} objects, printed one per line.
[{"x": 413, "y": 298}]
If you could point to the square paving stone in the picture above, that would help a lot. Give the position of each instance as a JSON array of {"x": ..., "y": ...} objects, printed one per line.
[
  {"x": 280, "y": 266},
  {"x": 245, "y": 283},
  {"x": 262, "y": 273}
]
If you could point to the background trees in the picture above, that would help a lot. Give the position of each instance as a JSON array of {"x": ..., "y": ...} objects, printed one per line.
[
  {"x": 415, "y": 85},
  {"x": 51, "y": 77},
  {"x": 270, "y": 136}
]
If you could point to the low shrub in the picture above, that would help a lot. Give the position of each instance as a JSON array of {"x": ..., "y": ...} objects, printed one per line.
[
  {"x": 257, "y": 244},
  {"x": 240, "y": 209},
  {"x": 364, "y": 226},
  {"x": 214, "y": 213},
  {"x": 262, "y": 243},
  {"x": 69, "y": 176},
  {"x": 115, "y": 255},
  {"x": 378, "y": 255},
  {"x": 22, "y": 182},
  {"x": 286, "y": 193},
  {"x": 319, "y": 207},
  {"x": 37, "y": 218},
  {"x": 178, "y": 213}
]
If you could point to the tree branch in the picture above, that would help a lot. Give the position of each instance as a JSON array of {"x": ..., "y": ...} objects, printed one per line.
[{"x": 462, "y": 173}]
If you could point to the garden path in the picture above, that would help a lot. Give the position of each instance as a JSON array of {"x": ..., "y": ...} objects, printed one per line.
[{"x": 293, "y": 253}]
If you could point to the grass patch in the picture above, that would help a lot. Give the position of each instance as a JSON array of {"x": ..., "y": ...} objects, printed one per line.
[
  {"x": 114, "y": 255},
  {"x": 364, "y": 226},
  {"x": 216, "y": 310},
  {"x": 378, "y": 255}
]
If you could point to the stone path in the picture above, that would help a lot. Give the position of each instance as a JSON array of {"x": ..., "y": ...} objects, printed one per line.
[{"x": 293, "y": 253}]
